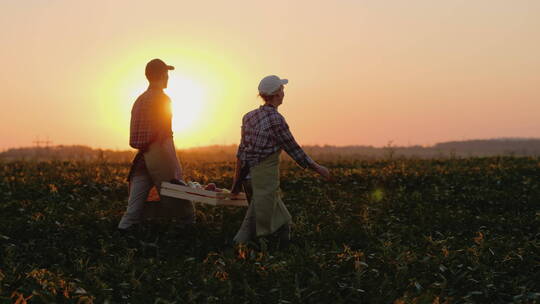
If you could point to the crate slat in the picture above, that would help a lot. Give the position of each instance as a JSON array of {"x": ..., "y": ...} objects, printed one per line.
[{"x": 202, "y": 196}]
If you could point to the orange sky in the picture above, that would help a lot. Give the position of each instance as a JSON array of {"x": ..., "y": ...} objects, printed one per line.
[{"x": 360, "y": 72}]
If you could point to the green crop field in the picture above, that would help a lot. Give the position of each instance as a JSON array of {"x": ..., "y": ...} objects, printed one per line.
[{"x": 394, "y": 231}]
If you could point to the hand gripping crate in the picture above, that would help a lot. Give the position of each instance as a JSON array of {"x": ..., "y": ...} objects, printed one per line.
[{"x": 202, "y": 196}]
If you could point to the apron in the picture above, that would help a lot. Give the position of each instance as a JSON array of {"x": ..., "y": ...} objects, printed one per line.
[
  {"x": 162, "y": 165},
  {"x": 270, "y": 212}
]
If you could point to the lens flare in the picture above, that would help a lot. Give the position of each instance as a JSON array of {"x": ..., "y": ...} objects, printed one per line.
[{"x": 377, "y": 195}]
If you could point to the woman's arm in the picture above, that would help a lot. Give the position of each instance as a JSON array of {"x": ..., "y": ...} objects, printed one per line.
[
  {"x": 235, "y": 188},
  {"x": 240, "y": 169},
  {"x": 286, "y": 140}
]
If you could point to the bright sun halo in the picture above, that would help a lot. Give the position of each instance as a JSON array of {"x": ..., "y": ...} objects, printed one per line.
[{"x": 187, "y": 102}]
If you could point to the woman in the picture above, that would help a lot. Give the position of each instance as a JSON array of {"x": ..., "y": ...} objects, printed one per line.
[{"x": 264, "y": 134}]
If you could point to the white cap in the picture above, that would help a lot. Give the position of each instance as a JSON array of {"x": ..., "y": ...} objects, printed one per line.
[{"x": 270, "y": 84}]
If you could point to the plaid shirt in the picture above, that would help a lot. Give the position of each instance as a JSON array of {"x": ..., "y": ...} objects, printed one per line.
[
  {"x": 151, "y": 118},
  {"x": 265, "y": 132}
]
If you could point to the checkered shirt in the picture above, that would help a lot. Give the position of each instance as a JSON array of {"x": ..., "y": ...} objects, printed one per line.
[
  {"x": 265, "y": 132},
  {"x": 150, "y": 119}
]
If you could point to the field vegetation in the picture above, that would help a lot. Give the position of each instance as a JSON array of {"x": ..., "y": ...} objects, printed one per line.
[{"x": 453, "y": 230}]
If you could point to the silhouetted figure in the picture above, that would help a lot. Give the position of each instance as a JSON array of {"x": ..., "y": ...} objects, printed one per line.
[{"x": 151, "y": 134}]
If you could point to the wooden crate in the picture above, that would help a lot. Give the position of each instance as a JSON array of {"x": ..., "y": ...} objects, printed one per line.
[{"x": 202, "y": 196}]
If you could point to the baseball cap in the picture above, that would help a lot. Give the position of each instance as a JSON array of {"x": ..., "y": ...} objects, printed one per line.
[
  {"x": 270, "y": 84},
  {"x": 156, "y": 67}
]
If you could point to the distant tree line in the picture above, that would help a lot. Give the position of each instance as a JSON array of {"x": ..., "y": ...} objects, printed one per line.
[{"x": 468, "y": 148}]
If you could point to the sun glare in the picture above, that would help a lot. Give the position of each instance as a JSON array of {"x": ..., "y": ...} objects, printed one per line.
[
  {"x": 187, "y": 102},
  {"x": 204, "y": 92}
]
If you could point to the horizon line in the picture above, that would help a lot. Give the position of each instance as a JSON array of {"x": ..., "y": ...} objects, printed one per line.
[{"x": 389, "y": 145}]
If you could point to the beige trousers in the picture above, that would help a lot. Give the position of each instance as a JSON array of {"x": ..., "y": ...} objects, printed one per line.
[{"x": 140, "y": 186}]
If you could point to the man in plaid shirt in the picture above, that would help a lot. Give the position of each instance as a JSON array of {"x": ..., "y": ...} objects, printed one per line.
[
  {"x": 151, "y": 134},
  {"x": 151, "y": 115}
]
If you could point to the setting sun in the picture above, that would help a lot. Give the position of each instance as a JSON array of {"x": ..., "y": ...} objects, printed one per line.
[
  {"x": 188, "y": 100},
  {"x": 205, "y": 92}
]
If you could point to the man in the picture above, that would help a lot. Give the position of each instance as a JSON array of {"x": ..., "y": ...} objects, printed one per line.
[{"x": 151, "y": 134}]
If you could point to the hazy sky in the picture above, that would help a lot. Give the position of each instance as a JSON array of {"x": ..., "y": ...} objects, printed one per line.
[{"x": 360, "y": 72}]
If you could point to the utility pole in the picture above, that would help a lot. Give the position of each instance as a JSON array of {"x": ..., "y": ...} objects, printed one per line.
[
  {"x": 38, "y": 142},
  {"x": 38, "y": 152}
]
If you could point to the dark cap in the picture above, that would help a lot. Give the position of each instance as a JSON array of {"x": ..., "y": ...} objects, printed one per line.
[{"x": 156, "y": 67}]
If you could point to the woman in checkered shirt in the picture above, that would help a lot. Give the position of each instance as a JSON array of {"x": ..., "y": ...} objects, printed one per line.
[{"x": 264, "y": 134}]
